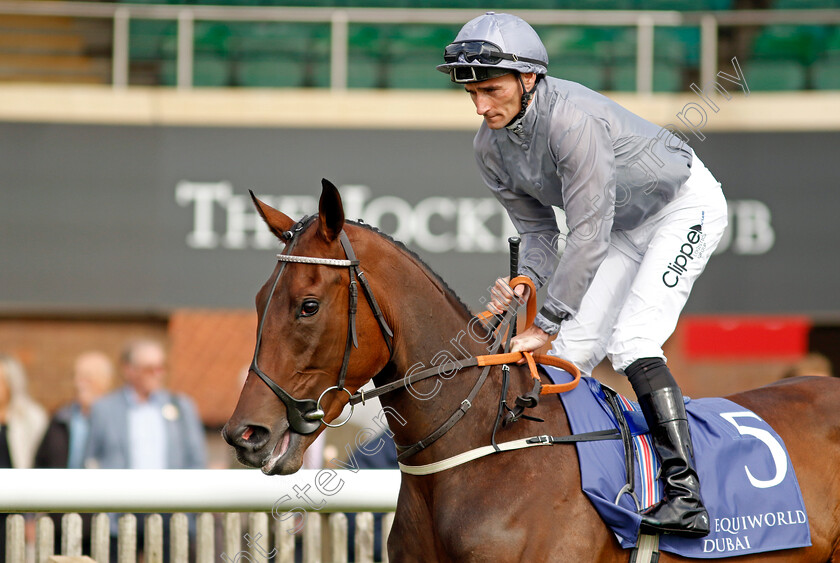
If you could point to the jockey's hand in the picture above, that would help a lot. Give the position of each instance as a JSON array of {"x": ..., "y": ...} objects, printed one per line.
[
  {"x": 502, "y": 294},
  {"x": 529, "y": 341}
]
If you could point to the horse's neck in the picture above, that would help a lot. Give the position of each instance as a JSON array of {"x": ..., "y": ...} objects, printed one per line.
[
  {"x": 433, "y": 330},
  {"x": 431, "y": 327}
]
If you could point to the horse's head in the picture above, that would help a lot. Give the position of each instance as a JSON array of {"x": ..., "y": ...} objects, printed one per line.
[{"x": 307, "y": 362}]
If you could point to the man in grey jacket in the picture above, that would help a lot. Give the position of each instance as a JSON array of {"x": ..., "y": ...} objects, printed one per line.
[
  {"x": 144, "y": 426},
  {"x": 643, "y": 216}
]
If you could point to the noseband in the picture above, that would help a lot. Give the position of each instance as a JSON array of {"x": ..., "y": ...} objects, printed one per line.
[{"x": 306, "y": 415}]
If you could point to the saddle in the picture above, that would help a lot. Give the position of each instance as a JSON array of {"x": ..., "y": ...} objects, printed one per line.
[{"x": 748, "y": 483}]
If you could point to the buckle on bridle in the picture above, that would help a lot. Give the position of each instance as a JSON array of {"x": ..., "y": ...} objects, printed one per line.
[{"x": 544, "y": 439}]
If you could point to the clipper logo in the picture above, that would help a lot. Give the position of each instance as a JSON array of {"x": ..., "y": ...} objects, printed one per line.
[{"x": 694, "y": 246}]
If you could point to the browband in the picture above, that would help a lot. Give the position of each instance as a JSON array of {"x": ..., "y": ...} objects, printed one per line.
[{"x": 319, "y": 261}]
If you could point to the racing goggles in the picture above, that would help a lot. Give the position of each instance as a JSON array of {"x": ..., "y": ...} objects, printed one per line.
[
  {"x": 483, "y": 52},
  {"x": 467, "y": 74}
]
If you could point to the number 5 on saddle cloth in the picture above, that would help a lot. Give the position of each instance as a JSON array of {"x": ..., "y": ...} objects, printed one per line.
[{"x": 748, "y": 483}]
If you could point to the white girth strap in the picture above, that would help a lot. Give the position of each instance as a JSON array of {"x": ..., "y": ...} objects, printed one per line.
[
  {"x": 646, "y": 550},
  {"x": 470, "y": 455}
]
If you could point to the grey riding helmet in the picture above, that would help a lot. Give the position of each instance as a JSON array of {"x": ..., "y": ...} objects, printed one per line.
[{"x": 494, "y": 45}]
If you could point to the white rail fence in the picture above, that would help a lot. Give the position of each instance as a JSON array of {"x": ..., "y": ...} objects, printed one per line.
[
  {"x": 340, "y": 18},
  {"x": 308, "y": 506}
]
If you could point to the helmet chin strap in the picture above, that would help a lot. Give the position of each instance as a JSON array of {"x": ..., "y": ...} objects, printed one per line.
[{"x": 527, "y": 96}]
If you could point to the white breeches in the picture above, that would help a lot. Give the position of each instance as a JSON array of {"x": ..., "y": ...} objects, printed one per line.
[{"x": 642, "y": 285}]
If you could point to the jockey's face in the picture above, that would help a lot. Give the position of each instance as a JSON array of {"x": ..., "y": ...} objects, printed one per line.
[{"x": 498, "y": 100}]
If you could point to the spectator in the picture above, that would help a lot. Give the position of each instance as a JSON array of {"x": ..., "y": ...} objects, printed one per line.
[
  {"x": 144, "y": 426},
  {"x": 22, "y": 423},
  {"x": 64, "y": 443}
]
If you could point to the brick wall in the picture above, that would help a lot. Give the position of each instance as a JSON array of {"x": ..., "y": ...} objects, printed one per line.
[{"x": 48, "y": 345}]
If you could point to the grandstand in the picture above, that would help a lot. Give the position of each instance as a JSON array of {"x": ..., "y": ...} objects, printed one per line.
[{"x": 787, "y": 45}]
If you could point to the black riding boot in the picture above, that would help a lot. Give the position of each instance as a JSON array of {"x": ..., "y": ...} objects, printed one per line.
[{"x": 681, "y": 509}]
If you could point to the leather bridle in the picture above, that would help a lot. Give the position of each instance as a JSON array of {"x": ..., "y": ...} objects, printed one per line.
[{"x": 305, "y": 416}]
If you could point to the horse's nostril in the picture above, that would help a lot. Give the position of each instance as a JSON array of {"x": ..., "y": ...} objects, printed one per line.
[
  {"x": 254, "y": 436},
  {"x": 247, "y": 436}
]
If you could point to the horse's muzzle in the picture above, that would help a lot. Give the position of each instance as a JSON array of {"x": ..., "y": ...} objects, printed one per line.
[{"x": 248, "y": 440}]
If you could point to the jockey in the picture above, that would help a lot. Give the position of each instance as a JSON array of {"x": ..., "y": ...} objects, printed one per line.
[{"x": 643, "y": 215}]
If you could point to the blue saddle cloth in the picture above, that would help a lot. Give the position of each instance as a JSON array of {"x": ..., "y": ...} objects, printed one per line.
[{"x": 747, "y": 479}]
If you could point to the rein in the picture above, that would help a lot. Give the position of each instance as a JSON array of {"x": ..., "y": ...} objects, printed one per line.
[
  {"x": 306, "y": 415},
  {"x": 488, "y": 360}
]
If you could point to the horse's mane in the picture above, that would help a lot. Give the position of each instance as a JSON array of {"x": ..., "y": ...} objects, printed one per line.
[
  {"x": 432, "y": 274},
  {"x": 303, "y": 223}
]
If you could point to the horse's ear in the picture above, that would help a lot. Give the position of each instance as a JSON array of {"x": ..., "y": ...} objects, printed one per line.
[
  {"x": 330, "y": 211},
  {"x": 278, "y": 223}
]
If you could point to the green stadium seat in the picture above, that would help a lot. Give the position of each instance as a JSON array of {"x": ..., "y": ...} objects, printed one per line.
[
  {"x": 831, "y": 48},
  {"x": 145, "y": 48},
  {"x": 368, "y": 39},
  {"x": 274, "y": 73},
  {"x": 589, "y": 74},
  {"x": 265, "y": 39},
  {"x": 679, "y": 5},
  {"x": 207, "y": 71},
  {"x": 570, "y": 42},
  {"x": 804, "y": 4},
  {"x": 146, "y": 38},
  {"x": 414, "y": 50},
  {"x": 558, "y": 38},
  {"x": 407, "y": 40},
  {"x": 718, "y": 5},
  {"x": 368, "y": 55},
  {"x": 365, "y": 72},
  {"x": 418, "y": 72},
  {"x": 317, "y": 73},
  {"x": 667, "y": 77},
  {"x": 825, "y": 74},
  {"x": 802, "y": 43},
  {"x": 212, "y": 38},
  {"x": 677, "y": 44},
  {"x": 209, "y": 38},
  {"x": 774, "y": 75}
]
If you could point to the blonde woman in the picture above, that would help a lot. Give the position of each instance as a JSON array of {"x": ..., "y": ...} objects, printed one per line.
[
  {"x": 22, "y": 420},
  {"x": 22, "y": 424}
]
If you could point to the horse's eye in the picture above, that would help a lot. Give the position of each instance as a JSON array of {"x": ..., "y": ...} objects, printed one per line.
[{"x": 309, "y": 308}]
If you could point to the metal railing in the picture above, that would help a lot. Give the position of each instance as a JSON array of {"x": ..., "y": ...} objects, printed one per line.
[
  {"x": 340, "y": 18},
  {"x": 279, "y": 508}
]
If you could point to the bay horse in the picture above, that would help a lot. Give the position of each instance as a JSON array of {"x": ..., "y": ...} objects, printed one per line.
[{"x": 317, "y": 345}]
